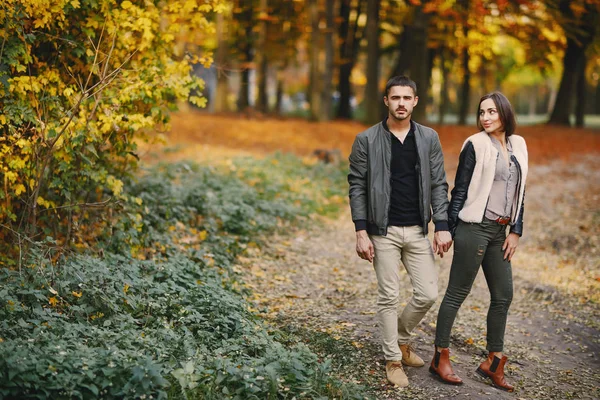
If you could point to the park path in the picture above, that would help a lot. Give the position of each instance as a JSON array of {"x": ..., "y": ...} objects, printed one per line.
[{"x": 312, "y": 283}]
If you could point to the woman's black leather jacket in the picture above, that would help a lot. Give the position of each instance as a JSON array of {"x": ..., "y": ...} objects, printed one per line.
[{"x": 464, "y": 173}]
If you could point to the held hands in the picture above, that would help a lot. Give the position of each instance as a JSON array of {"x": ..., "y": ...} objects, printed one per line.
[
  {"x": 442, "y": 240},
  {"x": 510, "y": 245},
  {"x": 364, "y": 246}
]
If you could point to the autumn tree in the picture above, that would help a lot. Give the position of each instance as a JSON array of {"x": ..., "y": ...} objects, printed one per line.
[
  {"x": 262, "y": 36},
  {"x": 372, "y": 98},
  {"x": 579, "y": 20},
  {"x": 350, "y": 34},
  {"x": 222, "y": 62},
  {"x": 245, "y": 40},
  {"x": 80, "y": 82}
]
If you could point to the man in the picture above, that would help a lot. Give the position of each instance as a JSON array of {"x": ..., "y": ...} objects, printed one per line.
[{"x": 396, "y": 178}]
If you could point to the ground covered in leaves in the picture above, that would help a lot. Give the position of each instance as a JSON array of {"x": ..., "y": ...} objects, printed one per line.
[
  {"x": 310, "y": 283},
  {"x": 314, "y": 285}
]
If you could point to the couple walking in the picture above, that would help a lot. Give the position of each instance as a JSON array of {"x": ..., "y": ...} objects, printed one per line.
[{"x": 398, "y": 184}]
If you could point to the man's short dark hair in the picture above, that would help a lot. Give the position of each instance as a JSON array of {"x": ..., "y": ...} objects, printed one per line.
[
  {"x": 505, "y": 111},
  {"x": 400, "y": 81}
]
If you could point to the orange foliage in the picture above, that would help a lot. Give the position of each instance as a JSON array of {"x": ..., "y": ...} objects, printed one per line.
[{"x": 199, "y": 133}]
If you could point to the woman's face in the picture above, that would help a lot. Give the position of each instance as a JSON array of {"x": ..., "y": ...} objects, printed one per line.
[{"x": 489, "y": 117}]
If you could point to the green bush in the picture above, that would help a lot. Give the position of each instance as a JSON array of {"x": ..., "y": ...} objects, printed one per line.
[{"x": 172, "y": 325}]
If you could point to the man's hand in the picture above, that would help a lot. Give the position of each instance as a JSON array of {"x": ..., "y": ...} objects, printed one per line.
[
  {"x": 364, "y": 247},
  {"x": 442, "y": 240},
  {"x": 510, "y": 245}
]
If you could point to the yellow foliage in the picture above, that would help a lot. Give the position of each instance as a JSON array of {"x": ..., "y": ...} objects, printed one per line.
[
  {"x": 96, "y": 316},
  {"x": 80, "y": 103},
  {"x": 19, "y": 188}
]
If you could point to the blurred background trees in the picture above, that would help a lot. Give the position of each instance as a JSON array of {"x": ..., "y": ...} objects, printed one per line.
[
  {"x": 82, "y": 81},
  {"x": 330, "y": 59}
]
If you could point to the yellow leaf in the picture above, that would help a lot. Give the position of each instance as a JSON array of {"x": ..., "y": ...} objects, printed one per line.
[
  {"x": 202, "y": 235},
  {"x": 198, "y": 101},
  {"x": 53, "y": 301},
  {"x": 20, "y": 188},
  {"x": 68, "y": 92},
  {"x": 126, "y": 4},
  {"x": 126, "y": 288},
  {"x": 76, "y": 294}
]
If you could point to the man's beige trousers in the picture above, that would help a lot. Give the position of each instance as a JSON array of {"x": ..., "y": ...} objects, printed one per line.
[{"x": 409, "y": 246}]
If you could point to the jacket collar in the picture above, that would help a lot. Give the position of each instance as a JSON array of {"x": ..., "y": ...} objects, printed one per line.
[{"x": 384, "y": 124}]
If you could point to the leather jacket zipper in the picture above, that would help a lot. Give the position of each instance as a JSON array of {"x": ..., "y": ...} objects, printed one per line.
[{"x": 418, "y": 169}]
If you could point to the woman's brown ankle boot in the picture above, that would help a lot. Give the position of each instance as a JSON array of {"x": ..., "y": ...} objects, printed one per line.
[
  {"x": 440, "y": 366},
  {"x": 493, "y": 368}
]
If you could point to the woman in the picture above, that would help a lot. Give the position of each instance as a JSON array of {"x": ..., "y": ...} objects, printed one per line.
[{"x": 488, "y": 195}]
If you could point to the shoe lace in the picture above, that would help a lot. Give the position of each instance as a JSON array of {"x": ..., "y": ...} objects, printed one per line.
[
  {"x": 393, "y": 366},
  {"x": 409, "y": 349}
]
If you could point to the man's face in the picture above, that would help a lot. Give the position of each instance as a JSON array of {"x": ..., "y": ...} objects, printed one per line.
[{"x": 400, "y": 102}]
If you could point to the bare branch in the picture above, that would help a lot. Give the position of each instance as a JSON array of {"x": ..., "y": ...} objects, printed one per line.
[{"x": 84, "y": 205}]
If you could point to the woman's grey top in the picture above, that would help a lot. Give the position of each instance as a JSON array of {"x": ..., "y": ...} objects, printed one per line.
[{"x": 504, "y": 188}]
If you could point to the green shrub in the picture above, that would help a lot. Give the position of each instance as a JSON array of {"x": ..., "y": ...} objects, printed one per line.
[{"x": 171, "y": 325}]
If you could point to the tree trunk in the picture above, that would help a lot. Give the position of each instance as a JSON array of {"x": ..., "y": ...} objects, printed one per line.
[
  {"x": 326, "y": 99},
  {"x": 315, "y": 70},
  {"x": 221, "y": 104},
  {"x": 465, "y": 91},
  {"x": 262, "y": 61},
  {"x": 564, "y": 98},
  {"x": 420, "y": 70},
  {"x": 444, "y": 90},
  {"x": 279, "y": 95},
  {"x": 344, "y": 110},
  {"x": 577, "y": 43},
  {"x": 372, "y": 98},
  {"x": 532, "y": 101},
  {"x": 245, "y": 46},
  {"x": 598, "y": 98},
  {"x": 403, "y": 63},
  {"x": 349, "y": 41},
  {"x": 581, "y": 94}
]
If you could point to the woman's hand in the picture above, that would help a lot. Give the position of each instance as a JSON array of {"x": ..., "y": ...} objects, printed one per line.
[{"x": 510, "y": 245}]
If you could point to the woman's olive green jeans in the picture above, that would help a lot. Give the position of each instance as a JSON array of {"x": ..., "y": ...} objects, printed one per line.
[{"x": 475, "y": 245}]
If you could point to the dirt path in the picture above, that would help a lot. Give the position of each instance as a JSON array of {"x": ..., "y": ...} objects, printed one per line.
[{"x": 316, "y": 287}]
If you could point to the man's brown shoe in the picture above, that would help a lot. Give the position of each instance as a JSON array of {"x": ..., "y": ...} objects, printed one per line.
[
  {"x": 493, "y": 368},
  {"x": 440, "y": 366},
  {"x": 409, "y": 358},
  {"x": 395, "y": 373}
]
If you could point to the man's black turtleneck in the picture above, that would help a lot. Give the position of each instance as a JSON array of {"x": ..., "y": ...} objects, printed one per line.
[{"x": 404, "y": 201}]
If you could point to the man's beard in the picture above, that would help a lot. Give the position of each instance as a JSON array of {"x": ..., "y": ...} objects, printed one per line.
[{"x": 398, "y": 117}]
